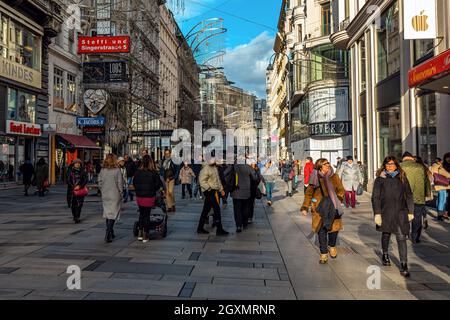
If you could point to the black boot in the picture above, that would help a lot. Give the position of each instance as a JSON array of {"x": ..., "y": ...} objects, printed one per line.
[
  {"x": 112, "y": 222},
  {"x": 220, "y": 231},
  {"x": 404, "y": 270},
  {"x": 386, "y": 260},
  {"x": 201, "y": 230},
  {"x": 108, "y": 235}
]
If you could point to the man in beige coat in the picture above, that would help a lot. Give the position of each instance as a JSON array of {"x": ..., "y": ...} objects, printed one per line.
[{"x": 211, "y": 187}]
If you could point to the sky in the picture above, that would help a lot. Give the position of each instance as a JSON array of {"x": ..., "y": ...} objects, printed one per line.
[{"x": 251, "y": 28}]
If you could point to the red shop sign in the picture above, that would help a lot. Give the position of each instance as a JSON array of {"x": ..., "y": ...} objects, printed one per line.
[
  {"x": 23, "y": 128},
  {"x": 119, "y": 44},
  {"x": 429, "y": 69}
]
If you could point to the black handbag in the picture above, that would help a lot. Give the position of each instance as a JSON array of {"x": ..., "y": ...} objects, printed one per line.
[{"x": 326, "y": 210}]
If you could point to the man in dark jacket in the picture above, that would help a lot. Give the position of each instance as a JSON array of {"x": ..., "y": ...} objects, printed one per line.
[
  {"x": 27, "y": 171},
  {"x": 197, "y": 167},
  {"x": 421, "y": 188},
  {"x": 242, "y": 193},
  {"x": 130, "y": 167}
]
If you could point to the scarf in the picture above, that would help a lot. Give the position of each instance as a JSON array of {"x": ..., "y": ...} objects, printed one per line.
[
  {"x": 314, "y": 181},
  {"x": 392, "y": 174}
]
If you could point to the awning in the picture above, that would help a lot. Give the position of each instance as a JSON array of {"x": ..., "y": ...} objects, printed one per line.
[
  {"x": 80, "y": 142},
  {"x": 433, "y": 74}
]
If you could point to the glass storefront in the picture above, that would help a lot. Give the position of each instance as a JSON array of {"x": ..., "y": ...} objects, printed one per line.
[
  {"x": 7, "y": 156},
  {"x": 389, "y": 133},
  {"x": 426, "y": 117},
  {"x": 388, "y": 43}
]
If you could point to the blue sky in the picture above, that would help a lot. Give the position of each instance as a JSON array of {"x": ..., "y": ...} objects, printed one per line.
[{"x": 248, "y": 45}]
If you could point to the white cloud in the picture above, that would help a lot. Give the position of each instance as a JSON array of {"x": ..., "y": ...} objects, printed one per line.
[{"x": 246, "y": 64}]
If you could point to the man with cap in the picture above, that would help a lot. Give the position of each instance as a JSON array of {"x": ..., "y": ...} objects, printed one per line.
[{"x": 421, "y": 188}]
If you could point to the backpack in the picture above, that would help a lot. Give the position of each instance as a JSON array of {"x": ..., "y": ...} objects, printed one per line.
[{"x": 231, "y": 180}]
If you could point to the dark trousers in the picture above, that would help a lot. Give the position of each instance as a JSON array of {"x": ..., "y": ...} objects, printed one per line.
[
  {"x": 326, "y": 239},
  {"x": 241, "y": 207},
  {"x": 225, "y": 198},
  {"x": 251, "y": 207},
  {"x": 144, "y": 218},
  {"x": 401, "y": 243},
  {"x": 420, "y": 213},
  {"x": 211, "y": 201},
  {"x": 183, "y": 190},
  {"x": 76, "y": 208}
]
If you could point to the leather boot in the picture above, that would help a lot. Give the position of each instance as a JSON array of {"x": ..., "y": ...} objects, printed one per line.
[
  {"x": 220, "y": 231},
  {"x": 386, "y": 260},
  {"x": 404, "y": 270}
]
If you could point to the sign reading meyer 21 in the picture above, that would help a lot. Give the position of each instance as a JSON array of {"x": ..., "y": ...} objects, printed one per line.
[{"x": 91, "y": 122}]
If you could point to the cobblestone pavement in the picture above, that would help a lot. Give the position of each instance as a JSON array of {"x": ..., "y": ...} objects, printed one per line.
[{"x": 276, "y": 258}]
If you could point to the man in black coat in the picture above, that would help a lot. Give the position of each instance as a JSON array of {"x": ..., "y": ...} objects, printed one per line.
[
  {"x": 130, "y": 167},
  {"x": 27, "y": 171}
]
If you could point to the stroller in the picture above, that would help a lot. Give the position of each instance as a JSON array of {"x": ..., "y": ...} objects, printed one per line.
[{"x": 158, "y": 219}]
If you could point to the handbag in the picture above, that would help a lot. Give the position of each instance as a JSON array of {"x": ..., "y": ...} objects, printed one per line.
[
  {"x": 46, "y": 184},
  {"x": 326, "y": 210},
  {"x": 291, "y": 175},
  {"x": 359, "y": 190},
  {"x": 440, "y": 180},
  {"x": 83, "y": 192}
]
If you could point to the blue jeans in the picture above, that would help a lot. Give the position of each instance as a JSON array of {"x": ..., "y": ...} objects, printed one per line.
[
  {"x": 269, "y": 189},
  {"x": 442, "y": 197},
  {"x": 126, "y": 192}
]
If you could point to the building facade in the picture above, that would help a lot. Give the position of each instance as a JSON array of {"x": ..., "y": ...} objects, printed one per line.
[
  {"x": 26, "y": 30},
  {"x": 392, "y": 111},
  {"x": 308, "y": 88}
]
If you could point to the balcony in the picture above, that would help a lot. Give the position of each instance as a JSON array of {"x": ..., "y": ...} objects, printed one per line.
[{"x": 340, "y": 38}]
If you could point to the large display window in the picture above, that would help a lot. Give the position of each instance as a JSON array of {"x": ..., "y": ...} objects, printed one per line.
[
  {"x": 427, "y": 127},
  {"x": 389, "y": 132},
  {"x": 21, "y": 106}
]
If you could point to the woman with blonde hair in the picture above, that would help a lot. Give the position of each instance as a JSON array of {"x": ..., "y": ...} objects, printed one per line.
[
  {"x": 324, "y": 195},
  {"x": 110, "y": 181}
]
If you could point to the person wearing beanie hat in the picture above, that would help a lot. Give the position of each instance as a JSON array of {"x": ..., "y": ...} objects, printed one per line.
[{"x": 351, "y": 178}]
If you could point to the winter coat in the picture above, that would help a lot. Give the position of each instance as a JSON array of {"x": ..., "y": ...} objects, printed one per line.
[
  {"x": 393, "y": 199},
  {"x": 309, "y": 167},
  {"x": 245, "y": 174},
  {"x": 41, "y": 175},
  {"x": 438, "y": 168},
  {"x": 186, "y": 175},
  {"x": 209, "y": 179},
  {"x": 285, "y": 171},
  {"x": 123, "y": 171},
  {"x": 131, "y": 168},
  {"x": 350, "y": 175},
  {"x": 27, "y": 170},
  {"x": 254, "y": 184},
  {"x": 168, "y": 170},
  {"x": 270, "y": 174},
  {"x": 110, "y": 182},
  {"x": 418, "y": 180},
  {"x": 76, "y": 177},
  {"x": 147, "y": 183},
  {"x": 316, "y": 194}
]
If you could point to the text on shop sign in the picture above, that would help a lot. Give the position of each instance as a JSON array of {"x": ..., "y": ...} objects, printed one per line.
[{"x": 23, "y": 128}]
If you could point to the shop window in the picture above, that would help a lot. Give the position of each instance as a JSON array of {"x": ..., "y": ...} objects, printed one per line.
[
  {"x": 388, "y": 43},
  {"x": 7, "y": 158},
  {"x": 3, "y": 37},
  {"x": 423, "y": 48},
  {"x": 21, "y": 106},
  {"x": 426, "y": 116},
  {"x": 389, "y": 133},
  {"x": 58, "y": 88}
]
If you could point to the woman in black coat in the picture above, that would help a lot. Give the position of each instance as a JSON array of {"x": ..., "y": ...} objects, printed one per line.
[
  {"x": 41, "y": 175},
  {"x": 77, "y": 179},
  {"x": 147, "y": 182},
  {"x": 393, "y": 206},
  {"x": 27, "y": 171}
]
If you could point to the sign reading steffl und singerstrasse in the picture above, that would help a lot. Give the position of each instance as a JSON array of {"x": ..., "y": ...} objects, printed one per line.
[
  {"x": 120, "y": 44},
  {"x": 335, "y": 128}
]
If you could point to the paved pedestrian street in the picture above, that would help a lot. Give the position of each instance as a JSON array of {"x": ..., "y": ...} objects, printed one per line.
[{"x": 275, "y": 258}]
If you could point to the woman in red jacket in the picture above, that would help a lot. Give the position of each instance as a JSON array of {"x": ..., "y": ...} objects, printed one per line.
[{"x": 309, "y": 167}]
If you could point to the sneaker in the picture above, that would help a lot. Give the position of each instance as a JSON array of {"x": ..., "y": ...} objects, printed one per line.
[
  {"x": 145, "y": 239},
  {"x": 323, "y": 258},
  {"x": 141, "y": 235},
  {"x": 333, "y": 252},
  {"x": 386, "y": 261},
  {"x": 404, "y": 270}
]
